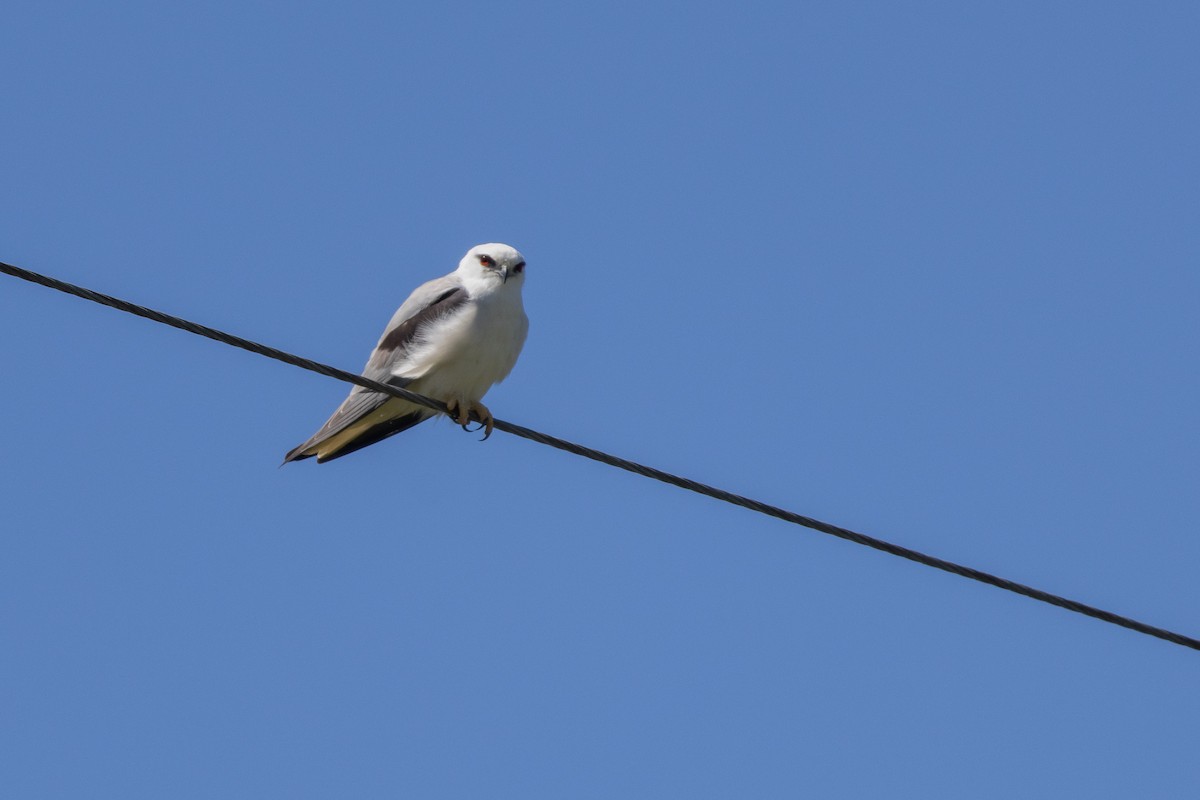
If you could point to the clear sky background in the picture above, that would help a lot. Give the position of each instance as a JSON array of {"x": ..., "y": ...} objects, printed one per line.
[{"x": 926, "y": 270}]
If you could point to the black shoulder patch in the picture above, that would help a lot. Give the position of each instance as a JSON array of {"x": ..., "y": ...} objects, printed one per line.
[{"x": 402, "y": 334}]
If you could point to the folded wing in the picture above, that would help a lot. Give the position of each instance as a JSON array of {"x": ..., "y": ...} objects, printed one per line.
[{"x": 366, "y": 417}]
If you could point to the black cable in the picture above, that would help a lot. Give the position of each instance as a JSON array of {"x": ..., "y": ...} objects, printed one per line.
[{"x": 614, "y": 461}]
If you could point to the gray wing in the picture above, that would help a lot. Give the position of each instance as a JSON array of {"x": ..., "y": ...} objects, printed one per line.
[{"x": 430, "y": 302}]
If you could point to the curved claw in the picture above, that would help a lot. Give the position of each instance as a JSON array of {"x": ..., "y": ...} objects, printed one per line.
[{"x": 462, "y": 418}]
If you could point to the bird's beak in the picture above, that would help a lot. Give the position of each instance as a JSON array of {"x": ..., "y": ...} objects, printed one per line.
[{"x": 504, "y": 275}]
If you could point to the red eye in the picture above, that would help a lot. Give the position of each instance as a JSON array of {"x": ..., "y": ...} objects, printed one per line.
[
  {"x": 520, "y": 267},
  {"x": 487, "y": 261}
]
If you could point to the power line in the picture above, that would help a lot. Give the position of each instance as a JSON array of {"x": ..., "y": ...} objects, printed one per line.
[{"x": 611, "y": 460}]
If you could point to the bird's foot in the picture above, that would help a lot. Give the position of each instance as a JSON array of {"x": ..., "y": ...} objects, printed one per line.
[{"x": 461, "y": 415}]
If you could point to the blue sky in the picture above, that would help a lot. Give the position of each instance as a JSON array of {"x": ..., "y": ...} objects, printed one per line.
[{"x": 925, "y": 270}]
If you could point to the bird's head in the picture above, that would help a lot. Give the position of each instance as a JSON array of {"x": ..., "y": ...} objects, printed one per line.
[{"x": 494, "y": 262}]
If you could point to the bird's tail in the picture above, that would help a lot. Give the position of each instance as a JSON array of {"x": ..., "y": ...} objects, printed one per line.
[{"x": 355, "y": 437}]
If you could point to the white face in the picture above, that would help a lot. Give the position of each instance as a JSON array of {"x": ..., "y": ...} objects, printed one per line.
[{"x": 497, "y": 260}]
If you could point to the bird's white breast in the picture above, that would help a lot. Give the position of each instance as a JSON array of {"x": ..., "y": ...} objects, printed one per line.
[{"x": 473, "y": 348}]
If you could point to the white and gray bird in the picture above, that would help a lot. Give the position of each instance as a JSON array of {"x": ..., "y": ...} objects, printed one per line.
[{"x": 451, "y": 340}]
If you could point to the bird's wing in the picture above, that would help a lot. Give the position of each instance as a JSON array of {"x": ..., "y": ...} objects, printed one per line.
[{"x": 431, "y": 302}]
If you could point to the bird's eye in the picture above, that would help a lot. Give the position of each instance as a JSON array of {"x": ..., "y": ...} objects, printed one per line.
[
  {"x": 520, "y": 267},
  {"x": 487, "y": 261}
]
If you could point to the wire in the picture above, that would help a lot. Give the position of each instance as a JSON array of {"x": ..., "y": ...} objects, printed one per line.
[{"x": 614, "y": 461}]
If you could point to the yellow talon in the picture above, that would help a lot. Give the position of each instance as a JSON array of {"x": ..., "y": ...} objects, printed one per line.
[
  {"x": 485, "y": 416},
  {"x": 461, "y": 414},
  {"x": 458, "y": 413}
]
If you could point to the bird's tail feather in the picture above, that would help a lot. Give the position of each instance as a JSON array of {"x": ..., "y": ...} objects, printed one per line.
[{"x": 367, "y": 436}]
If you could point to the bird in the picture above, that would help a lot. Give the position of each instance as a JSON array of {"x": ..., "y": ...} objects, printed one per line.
[{"x": 451, "y": 340}]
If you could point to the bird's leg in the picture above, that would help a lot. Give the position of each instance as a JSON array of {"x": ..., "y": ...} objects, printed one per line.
[
  {"x": 485, "y": 418},
  {"x": 461, "y": 414}
]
